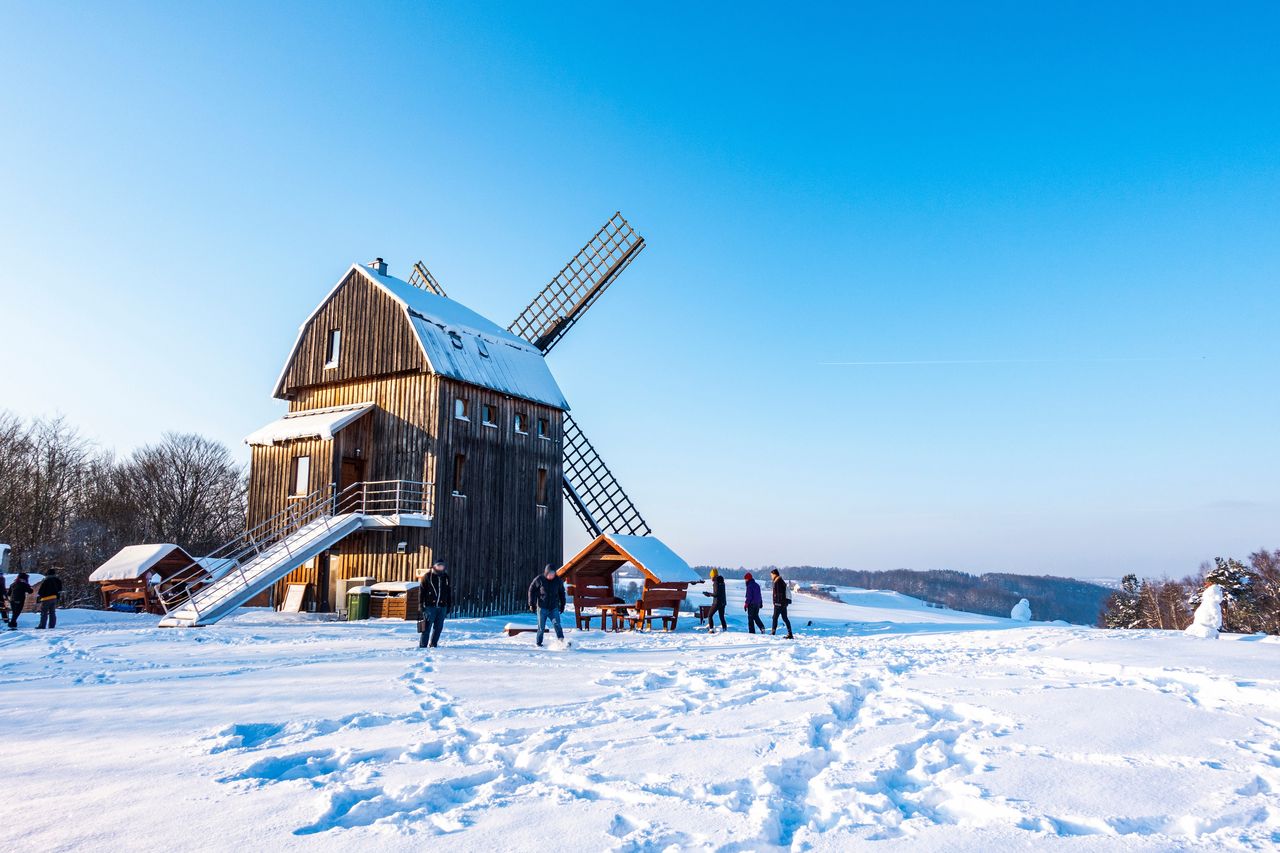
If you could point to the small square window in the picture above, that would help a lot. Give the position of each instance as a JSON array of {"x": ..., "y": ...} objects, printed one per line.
[
  {"x": 522, "y": 425},
  {"x": 461, "y": 409},
  {"x": 489, "y": 414},
  {"x": 544, "y": 428},
  {"x": 333, "y": 348}
]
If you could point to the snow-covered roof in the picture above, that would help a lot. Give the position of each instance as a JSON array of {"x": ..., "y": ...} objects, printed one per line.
[
  {"x": 461, "y": 344},
  {"x": 395, "y": 586},
  {"x": 651, "y": 554},
  {"x": 308, "y": 423},
  {"x": 216, "y": 567},
  {"x": 132, "y": 561}
]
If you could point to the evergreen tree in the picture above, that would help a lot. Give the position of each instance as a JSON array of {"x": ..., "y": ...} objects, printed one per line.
[
  {"x": 1123, "y": 609},
  {"x": 1239, "y": 600}
]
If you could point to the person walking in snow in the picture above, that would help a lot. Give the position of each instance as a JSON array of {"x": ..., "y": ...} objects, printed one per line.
[
  {"x": 547, "y": 599},
  {"x": 437, "y": 599},
  {"x": 753, "y": 603},
  {"x": 4, "y": 599},
  {"x": 18, "y": 592},
  {"x": 48, "y": 595},
  {"x": 780, "y": 602},
  {"x": 718, "y": 601}
]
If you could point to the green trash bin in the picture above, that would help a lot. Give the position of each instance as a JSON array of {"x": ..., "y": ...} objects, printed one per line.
[{"x": 357, "y": 603}]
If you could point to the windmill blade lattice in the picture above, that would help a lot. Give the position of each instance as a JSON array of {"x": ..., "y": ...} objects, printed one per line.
[
  {"x": 592, "y": 490},
  {"x": 422, "y": 277},
  {"x": 582, "y": 281}
]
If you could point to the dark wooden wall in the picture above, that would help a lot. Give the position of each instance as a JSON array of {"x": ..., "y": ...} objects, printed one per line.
[
  {"x": 496, "y": 538},
  {"x": 377, "y": 339}
]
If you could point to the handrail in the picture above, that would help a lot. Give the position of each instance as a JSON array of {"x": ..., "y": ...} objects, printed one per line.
[{"x": 321, "y": 507}]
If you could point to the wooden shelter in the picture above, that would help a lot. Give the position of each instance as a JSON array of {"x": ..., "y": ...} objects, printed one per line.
[
  {"x": 131, "y": 576},
  {"x": 589, "y": 579}
]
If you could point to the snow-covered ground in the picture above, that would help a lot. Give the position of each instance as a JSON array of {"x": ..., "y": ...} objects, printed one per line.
[{"x": 886, "y": 725}]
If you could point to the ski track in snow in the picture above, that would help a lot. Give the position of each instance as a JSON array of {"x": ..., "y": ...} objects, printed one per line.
[{"x": 686, "y": 742}]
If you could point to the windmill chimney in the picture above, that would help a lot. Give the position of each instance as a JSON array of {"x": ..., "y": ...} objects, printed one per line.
[{"x": 379, "y": 266}]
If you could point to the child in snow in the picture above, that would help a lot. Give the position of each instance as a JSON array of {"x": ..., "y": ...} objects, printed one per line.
[
  {"x": 753, "y": 604},
  {"x": 718, "y": 601},
  {"x": 547, "y": 599},
  {"x": 50, "y": 591},
  {"x": 780, "y": 602},
  {"x": 18, "y": 593}
]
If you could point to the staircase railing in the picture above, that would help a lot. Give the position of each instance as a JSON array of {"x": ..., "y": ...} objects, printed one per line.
[{"x": 225, "y": 566}]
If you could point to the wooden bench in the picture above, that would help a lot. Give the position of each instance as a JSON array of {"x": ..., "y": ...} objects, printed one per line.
[{"x": 657, "y": 597}]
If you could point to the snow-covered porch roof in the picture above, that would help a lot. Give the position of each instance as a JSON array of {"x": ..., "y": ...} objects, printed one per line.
[
  {"x": 609, "y": 552},
  {"x": 308, "y": 423}
]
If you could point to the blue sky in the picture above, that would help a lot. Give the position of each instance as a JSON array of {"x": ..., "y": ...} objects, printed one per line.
[{"x": 1068, "y": 214}]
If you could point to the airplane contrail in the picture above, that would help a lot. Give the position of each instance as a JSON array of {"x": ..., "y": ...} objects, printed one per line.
[{"x": 1100, "y": 360}]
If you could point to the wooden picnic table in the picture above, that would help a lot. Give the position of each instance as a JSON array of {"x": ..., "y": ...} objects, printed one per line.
[{"x": 616, "y": 612}]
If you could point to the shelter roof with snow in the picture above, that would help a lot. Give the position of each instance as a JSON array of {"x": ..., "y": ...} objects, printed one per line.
[
  {"x": 134, "y": 561},
  {"x": 320, "y": 424},
  {"x": 651, "y": 556},
  {"x": 420, "y": 330}
]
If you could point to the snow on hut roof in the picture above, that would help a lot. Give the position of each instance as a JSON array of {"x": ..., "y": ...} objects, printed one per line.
[
  {"x": 132, "y": 561},
  {"x": 461, "y": 344},
  {"x": 652, "y": 554},
  {"x": 216, "y": 567},
  {"x": 308, "y": 423}
]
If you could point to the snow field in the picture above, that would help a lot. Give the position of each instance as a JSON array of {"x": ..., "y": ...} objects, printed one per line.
[{"x": 886, "y": 725}]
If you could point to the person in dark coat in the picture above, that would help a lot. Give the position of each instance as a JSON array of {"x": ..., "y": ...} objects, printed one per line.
[
  {"x": 718, "y": 601},
  {"x": 780, "y": 602},
  {"x": 753, "y": 604},
  {"x": 4, "y": 599},
  {"x": 547, "y": 599},
  {"x": 18, "y": 592},
  {"x": 437, "y": 599},
  {"x": 50, "y": 592}
]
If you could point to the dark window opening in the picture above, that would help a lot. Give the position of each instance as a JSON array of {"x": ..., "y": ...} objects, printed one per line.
[
  {"x": 459, "y": 466},
  {"x": 544, "y": 428},
  {"x": 461, "y": 409},
  {"x": 333, "y": 348},
  {"x": 542, "y": 487},
  {"x": 521, "y": 426},
  {"x": 489, "y": 414}
]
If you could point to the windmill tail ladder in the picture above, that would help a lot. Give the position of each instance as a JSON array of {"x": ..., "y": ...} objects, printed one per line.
[{"x": 215, "y": 586}]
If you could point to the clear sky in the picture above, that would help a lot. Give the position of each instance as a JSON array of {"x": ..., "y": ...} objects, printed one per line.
[{"x": 984, "y": 287}]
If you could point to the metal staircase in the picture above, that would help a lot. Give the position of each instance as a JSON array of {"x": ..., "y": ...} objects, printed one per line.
[{"x": 213, "y": 587}]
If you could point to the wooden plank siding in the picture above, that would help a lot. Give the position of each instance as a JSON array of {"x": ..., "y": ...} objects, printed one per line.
[
  {"x": 495, "y": 538},
  {"x": 376, "y": 339}
]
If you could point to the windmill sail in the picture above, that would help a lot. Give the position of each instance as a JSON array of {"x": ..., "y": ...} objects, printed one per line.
[
  {"x": 582, "y": 281},
  {"x": 592, "y": 490},
  {"x": 422, "y": 277}
]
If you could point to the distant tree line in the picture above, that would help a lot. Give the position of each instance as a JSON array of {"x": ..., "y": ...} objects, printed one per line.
[
  {"x": 1251, "y": 600},
  {"x": 994, "y": 594},
  {"x": 66, "y": 503}
]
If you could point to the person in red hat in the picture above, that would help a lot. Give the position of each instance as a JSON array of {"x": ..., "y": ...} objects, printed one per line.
[{"x": 753, "y": 604}]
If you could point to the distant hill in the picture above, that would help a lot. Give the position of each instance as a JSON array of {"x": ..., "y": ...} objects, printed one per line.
[{"x": 1075, "y": 601}]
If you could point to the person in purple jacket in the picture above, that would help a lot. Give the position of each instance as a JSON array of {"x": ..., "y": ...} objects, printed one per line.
[{"x": 754, "y": 602}]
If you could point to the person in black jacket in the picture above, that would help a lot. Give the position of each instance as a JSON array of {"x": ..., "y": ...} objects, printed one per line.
[
  {"x": 18, "y": 592},
  {"x": 547, "y": 599},
  {"x": 4, "y": 599},
  {"x": 780, "y": 602},
  {"x": 50, "y": 592},
  {"x": 437, "y": 598},
  {"x": 718, "y": 602}
]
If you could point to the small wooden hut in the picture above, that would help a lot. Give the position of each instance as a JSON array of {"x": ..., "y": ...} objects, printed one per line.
[
  {"x": 130, "y": 576},
  {"x": 589, "y": 579}
]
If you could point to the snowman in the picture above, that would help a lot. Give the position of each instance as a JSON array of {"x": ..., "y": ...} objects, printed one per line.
[{"x": 1208, "y": 619}]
